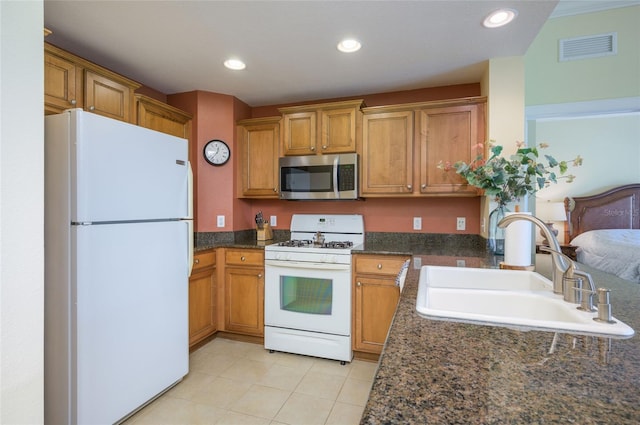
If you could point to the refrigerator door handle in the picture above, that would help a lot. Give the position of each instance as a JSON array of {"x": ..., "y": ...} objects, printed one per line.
[
  {"x": 190, "y": 242},
  {"x": 190, "y": 215}
]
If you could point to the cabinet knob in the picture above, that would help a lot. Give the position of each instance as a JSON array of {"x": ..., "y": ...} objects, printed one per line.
[
  {"x": 275, "y": 189},
  {"x": 73, "y": 101},
  {"x": 313, "y": 148},
  {"x": 242, "y": 258},
  {"x": 409, "y": 187},
  {"x": 324, "y": 146},
  {"x": 91, "y": 108},
  {"x": 379, "y": 266},
  {"x": 424, "y": 186},
  {"x": 197, "y": 261},
  {"x": 358, "y": 283},
  {"x": 260, "y": 276}
]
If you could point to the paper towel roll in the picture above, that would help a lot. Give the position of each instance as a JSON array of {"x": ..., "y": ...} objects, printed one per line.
[{"x": 517, "y": 242}]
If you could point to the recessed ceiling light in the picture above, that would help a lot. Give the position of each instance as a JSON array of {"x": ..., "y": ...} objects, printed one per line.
[
  {"x": 500, "y": 18},
  {"x": 349, "y": 45},
  {"x": 235, "y": 64}
]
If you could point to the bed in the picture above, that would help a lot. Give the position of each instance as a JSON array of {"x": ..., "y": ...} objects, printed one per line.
[{"x": 605, "y": 228}]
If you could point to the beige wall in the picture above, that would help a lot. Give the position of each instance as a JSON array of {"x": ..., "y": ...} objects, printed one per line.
[{"x": 21, "y": 213}]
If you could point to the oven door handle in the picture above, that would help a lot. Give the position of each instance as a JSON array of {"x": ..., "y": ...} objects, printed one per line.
[{"x": 306, "y": 265}]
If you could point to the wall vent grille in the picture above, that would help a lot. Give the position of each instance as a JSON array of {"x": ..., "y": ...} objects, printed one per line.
[{"x": 591, "y": 46}]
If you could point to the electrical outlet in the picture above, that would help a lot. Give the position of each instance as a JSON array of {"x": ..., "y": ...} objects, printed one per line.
[
  {"x": 220, "y": 221},
  {"x": 417, "y": 223},
  {"x": 273, "y": 220},
  {"x": 461, "y": 223},
  {"x": 461, "y": 263},
  {"x": 417, "y": 263}
]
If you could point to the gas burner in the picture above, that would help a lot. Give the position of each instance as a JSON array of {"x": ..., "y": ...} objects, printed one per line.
[
  {"x": 337, "y": 244},
  {"x": 296, "y": 243}
]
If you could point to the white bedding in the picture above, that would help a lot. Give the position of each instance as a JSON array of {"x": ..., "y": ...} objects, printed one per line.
[{"x": 615, "y": 251}]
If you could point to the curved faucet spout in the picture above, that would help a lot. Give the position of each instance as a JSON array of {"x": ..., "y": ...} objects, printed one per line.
[{"x": 559, "y": 265}]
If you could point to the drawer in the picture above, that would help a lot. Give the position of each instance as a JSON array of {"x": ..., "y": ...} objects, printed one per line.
[
  {"x": 385, "y": 265},
  {"x": 244, "y": 257},
  {"x": 204, "y": 259}
]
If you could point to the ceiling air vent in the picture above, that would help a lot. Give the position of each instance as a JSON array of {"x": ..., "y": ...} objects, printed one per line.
[{"x": 591, "y": 46}]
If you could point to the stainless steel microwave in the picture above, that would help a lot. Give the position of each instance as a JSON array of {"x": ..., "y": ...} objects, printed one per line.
[{"x": 319, "y": 177}]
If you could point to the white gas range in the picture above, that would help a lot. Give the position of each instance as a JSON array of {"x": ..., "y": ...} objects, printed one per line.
[{"x": 308, "y": 286}]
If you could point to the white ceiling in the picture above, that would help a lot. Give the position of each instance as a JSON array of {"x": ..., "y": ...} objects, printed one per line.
[{"x": 290, "y": 46}]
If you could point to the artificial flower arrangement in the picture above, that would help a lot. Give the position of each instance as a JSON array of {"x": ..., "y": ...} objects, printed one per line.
[{"x": 510, "y": 179}]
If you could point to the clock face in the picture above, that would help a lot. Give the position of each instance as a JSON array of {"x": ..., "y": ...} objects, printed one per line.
[{"x": 216, "y": 152}]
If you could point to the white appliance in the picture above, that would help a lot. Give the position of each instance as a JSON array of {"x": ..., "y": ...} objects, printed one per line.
[
  {"x": 118, "y": 243},
  {"x": 307, "y": 297}
]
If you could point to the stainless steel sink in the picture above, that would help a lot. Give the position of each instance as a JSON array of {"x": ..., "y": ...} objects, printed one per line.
[{"x": 522, "y": 300}]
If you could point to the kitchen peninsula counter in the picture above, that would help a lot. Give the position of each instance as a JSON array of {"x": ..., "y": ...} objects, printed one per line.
[{"x": 438, "y": 372}]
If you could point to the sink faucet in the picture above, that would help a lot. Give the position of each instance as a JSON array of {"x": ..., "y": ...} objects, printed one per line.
[{"x": 560, "y": 267}]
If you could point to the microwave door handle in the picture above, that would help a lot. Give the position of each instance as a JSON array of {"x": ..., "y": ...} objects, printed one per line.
[{"x": 335, "y": 177}]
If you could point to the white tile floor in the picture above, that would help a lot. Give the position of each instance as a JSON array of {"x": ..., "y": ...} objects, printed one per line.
[{"x": 233, "y": 382}]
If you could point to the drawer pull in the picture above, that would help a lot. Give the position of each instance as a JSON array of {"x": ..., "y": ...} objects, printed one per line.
[
  {"x": 197, "y": 261},
  {"x": 379, "y": 266},
  {"x": 242, "y": 258}
]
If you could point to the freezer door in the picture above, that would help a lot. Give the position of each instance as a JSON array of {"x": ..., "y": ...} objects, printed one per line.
[
  {"x": 125, "y": 172},
  {"x": 130, "y": 316}
]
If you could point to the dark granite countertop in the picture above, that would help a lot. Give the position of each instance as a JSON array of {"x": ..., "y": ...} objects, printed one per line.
[{"x": 437, "y": 372}]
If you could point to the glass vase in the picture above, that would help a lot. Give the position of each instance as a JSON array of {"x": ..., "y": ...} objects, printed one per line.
[{"x": 496, "y": 234}]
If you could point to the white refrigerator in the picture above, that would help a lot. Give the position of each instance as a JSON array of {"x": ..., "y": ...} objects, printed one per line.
[{"x": 118, "y": 249}]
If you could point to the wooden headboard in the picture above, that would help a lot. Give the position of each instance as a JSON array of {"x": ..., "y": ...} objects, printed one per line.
[{"x": 617, "y": 208}]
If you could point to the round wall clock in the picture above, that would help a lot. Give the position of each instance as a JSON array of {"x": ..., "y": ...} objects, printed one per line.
[{"x": 216, "y": 152}]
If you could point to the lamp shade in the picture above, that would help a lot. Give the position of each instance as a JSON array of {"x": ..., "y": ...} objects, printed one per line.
[{"x": 551, "y": 211}]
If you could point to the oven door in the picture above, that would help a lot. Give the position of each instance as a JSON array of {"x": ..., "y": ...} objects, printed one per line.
[{"x": 308, "y": 296}]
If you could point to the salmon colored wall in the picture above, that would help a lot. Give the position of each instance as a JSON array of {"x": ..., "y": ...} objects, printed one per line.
[
  {"x": 393, "y": 98},
  {"x": 214, "y": 118},
  {"x": 380, "y": 215}
]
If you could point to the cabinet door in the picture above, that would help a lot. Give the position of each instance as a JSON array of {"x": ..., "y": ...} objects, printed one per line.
[
  {"x": 202, "y": 301},
  {"x": 338, "y": 130},
  {"x": 447, "y": 134},
  {"x": 244, "y": 300},
  {"x": 202, "y": 297},
  {"x": 376, "y": 299},
  {"x": 387, "y": 153},
  {"x": 258, "y": 164},
  {"x": 299, "y": 133},
  {"x": 105, "y": 96},
  {"x": 59, "y": 84}
]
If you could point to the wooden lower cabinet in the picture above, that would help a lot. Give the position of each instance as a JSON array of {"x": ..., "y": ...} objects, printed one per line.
[
  {"x": 375, "y": 298},
  {"x": 202, "y": 297},
  {"x": 244, "y": 291}
]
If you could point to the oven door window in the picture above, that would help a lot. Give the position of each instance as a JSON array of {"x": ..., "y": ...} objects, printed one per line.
[{"x": 306, "y": 295}]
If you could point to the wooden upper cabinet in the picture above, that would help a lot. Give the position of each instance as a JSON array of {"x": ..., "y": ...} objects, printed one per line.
[
  {"x": 73, "y": 82},
  {"x": 448, "y": 134},
  {"x": 108, "y": 97},
  {"x": 299, "y": 133},
  {"x": 387, "y": 152},
  {"x": 258, "y": 142},
  {"x": 321, "y": 129},
  {"x": 156, "y": 115},
  {"x": 60, "y": 84}
]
